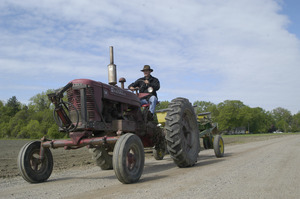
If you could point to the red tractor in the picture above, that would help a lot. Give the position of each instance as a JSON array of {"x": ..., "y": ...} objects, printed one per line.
[{"x": 110, "y": 121}]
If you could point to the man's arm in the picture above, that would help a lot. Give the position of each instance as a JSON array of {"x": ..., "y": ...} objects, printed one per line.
[
  {"x": 155, "y": 84},
  {"x": 135, "y": 84}
]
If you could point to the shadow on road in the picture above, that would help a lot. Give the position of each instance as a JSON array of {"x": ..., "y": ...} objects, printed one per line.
[{"x": 153, "y": 167}]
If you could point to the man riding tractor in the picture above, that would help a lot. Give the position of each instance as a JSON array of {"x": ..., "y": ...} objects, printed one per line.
[{"x": 147, "y": 84}]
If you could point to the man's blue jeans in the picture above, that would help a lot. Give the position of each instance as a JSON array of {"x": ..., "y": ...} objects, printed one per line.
[{"x": 152, "y": 102}]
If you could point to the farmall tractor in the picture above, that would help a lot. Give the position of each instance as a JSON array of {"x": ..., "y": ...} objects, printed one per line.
[{"x": 110, "y": 121}]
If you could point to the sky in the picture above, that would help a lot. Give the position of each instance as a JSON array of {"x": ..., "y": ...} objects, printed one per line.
[{"x": 216, "y": 50}]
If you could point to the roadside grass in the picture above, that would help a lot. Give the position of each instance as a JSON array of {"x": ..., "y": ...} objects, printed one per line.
[
  {"x": 11, "y": 138},
  {"x": 260, "y": 134},
  {"x": 245, "y": 138}
]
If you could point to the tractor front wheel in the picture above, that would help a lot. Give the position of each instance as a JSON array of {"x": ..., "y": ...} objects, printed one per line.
[
  {"x": 128, "y": 158},
  {"x": 32, "y": 168}
]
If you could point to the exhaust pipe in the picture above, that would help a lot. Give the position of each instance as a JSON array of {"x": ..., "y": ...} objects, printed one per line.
[{"x": 112, "y": 68}]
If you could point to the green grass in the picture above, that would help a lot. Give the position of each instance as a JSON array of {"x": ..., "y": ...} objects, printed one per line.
[
  {"x": 11, "y": 138},
  {"x": 245, "y": 138},
  {"x": 260, "y": 134}
]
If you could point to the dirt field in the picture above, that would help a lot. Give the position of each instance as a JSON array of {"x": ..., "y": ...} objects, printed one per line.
[{"x": 66, "y": 159}]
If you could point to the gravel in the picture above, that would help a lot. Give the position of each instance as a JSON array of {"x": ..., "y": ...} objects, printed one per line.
[{"x": 259, "y": 169}]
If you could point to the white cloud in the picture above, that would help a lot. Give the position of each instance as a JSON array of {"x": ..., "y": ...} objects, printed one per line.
[{"x": 205, "y": 50}]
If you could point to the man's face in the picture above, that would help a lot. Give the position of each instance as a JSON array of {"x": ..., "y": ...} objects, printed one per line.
[{"x": 146, "y": 73}]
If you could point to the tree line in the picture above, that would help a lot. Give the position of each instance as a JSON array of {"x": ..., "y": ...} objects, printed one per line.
[
  {"x": 233, "y": 114},
  {"x": 35, "y": 120}
]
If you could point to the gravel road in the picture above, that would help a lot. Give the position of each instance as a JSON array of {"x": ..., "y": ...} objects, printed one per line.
[{"x": 261, "y": 169}]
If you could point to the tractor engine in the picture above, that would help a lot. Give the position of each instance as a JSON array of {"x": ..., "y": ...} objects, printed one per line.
[{"x": 98, "y": 107}]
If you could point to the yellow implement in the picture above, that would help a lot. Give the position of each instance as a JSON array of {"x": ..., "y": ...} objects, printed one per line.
[{"x": 161, "y": 115}]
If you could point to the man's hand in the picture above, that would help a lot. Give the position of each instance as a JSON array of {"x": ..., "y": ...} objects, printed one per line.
[{"x": 134, "y": 89}]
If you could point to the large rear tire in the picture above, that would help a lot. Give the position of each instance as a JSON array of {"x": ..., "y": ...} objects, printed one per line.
[
  {"x": 31, "y": 167},
  {"x": 102, "y": 158},
  {"x": 128, "y": 158},
  {"x": 182, "y": 133}
]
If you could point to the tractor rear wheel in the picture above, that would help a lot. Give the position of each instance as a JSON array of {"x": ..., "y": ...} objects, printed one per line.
[
  {"x": 218, "y": 146},
  {"x": 128, "y": 158},
  {"x": 159, "y": 153},
  {"x": 102, "y": 158},
  {"x": 32, "y": 168},
  {"x": 182, "y": 133},
  {"x": 160, "y": 148},
  {"x": 207, "y": 144}
]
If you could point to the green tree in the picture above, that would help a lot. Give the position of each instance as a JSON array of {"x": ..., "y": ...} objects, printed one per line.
[
  {"x": 33, "y": 129},
  {"x": 283, "y": 119},
  {"x": 296, "y": 123},
  {"x": 13, "y": 106},
  {"x": 259, "y": 120},
  {"x": 46, "y": 120},
  {"x": 229, "y": 116},
  {"x": 43, "y": 112},
  {"x": 53, "y": 132},
  {"x": 4, "y": 130},
  {"x": 4, "y": 114},
  {"x": 203, "y": 106},
  {"x": 15, "y": 126},
  {"x": 18, "y": 122},
  {"x": 162, "y": 105},
  {"x": 282, "y": 114},
  {"x": 40, "y": 101},
  {"x": 270, "y": 122}
]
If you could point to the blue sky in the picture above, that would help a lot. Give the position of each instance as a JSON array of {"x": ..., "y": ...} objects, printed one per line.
[{"x": 214, "y": 50}]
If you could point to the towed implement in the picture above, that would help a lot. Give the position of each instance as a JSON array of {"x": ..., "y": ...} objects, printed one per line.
[
  {"x": 111, "y": 123},
  {"x": 210, "y": 135}
]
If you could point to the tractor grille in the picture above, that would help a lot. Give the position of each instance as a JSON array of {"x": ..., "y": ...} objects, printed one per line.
[
  {"x": 90, "y": 104},
  {"x": 74, "y": 98}
]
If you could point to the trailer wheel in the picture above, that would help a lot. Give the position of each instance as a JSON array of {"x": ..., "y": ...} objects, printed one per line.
[
  {"x": 31, "y": 167},
  {"x": 182, "y": 133},
  {"x": 128, "y": 158},
  {"x": 219, "y": 146},
  {"x": 102, "y": 158}
]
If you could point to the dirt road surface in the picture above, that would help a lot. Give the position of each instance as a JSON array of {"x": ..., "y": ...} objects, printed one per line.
[{"x": 260, "y": 169}]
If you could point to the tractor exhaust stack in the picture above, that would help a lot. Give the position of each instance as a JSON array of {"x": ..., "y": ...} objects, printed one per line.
[{"x": 112, "y": 71}]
